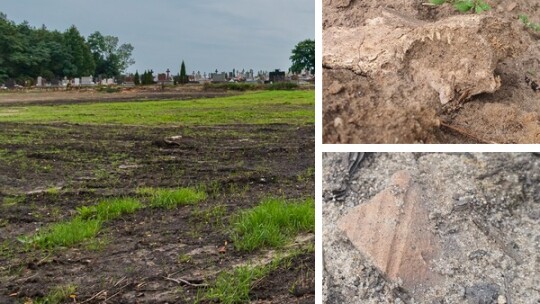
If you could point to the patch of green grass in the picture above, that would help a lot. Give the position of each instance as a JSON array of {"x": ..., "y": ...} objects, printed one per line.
[
  {"x": 529, "y": 24},
  {"x": 234, "y": 287},
  {"x": 309, "y": 174},
  {"x": 13, "y": 200},
  {"x": 261, "y": 107},
  {"x": 109, "y": 209},
  {"x": 477, "y": 6},
  {"x": 171, "y": 198},
  {"x": 184, "y": 258},
  {"x": 237, "y": 191},
  {"x": 213, "y": 188},
  {"x": 6, "y": 249},
  {"x": 57, "y": 295},
  {"x": 272, "y": 224},
  {"x": 53, "y": 190},
  {"x": 64, "y": 234},
  {"x": 97, "y": 244},
  {"x": 83, "y": 227}
]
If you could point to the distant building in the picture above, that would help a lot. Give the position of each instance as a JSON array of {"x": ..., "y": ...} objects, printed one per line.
[{"x": 277, "y": 76}]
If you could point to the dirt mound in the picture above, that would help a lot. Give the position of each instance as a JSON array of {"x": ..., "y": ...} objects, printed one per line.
[{"x": 407, "y": 76}]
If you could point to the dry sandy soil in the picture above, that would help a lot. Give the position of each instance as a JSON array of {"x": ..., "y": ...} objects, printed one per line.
[
  {"x": 472, "y": 228},
  {"x": 390, "y": 65}
]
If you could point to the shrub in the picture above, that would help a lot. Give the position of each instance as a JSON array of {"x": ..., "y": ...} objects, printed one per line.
[{"x": 282, "y": 86}]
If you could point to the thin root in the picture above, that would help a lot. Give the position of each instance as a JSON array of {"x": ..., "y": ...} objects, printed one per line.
[{"x": 464, "y": 133}]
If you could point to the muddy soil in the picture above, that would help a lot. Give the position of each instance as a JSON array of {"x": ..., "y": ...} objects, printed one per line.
[
  {"x": 48, "y": 170},
  {"x": 481, "y": 212},
  {"x": 365, "y": 105}
]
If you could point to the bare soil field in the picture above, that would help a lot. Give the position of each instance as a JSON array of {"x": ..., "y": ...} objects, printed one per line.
[
  {"x": 48, "y": 170},
  {"x": 50, "y": 97},
  {"x": 409, "y": 72}
]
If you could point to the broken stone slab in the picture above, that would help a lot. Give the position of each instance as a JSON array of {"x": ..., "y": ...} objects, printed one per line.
[
  {"x": 392, "y": 231},
  {"x": 402, "y": 232},
  {"x": 456, "y": 56}
]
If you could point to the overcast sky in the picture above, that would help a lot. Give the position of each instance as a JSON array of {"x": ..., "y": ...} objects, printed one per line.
[{"x": 206, "y": 34}]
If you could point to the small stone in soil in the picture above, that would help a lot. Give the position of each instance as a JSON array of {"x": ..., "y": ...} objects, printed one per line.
[{"x": 482, "y": 293}]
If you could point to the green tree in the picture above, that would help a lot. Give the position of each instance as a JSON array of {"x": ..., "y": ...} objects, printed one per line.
[
  {"x": 111, "y": 59},
  {"x": 136, "y": 78},
  {"x": 143, "y": 78},
  {"x": 303, "y": 57},
  {"x": 82, "y": 62},
  {"x": 27, "y": 52},
  {"x": 147, "y": 77},
  {"x": 183, "y": 76},
  {"x": 9, "y": 43}
]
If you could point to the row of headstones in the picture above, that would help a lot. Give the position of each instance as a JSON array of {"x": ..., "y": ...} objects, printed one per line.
[{"x": 84, "y": 81}]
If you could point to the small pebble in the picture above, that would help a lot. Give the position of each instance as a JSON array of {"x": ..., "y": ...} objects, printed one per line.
[
  {"x": 335, "y": 88},
  {"x": 534, "y": 214},
  {"x": 338, "y": 122},
  {"x": 485, "y": 293},
  {"x": 501, "y": 299}
]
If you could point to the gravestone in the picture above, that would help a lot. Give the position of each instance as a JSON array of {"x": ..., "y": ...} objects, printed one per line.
[{"x": 87, "y": 80}]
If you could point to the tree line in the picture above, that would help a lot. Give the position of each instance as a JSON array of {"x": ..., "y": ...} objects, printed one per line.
[{"x": 27, "y": 52}]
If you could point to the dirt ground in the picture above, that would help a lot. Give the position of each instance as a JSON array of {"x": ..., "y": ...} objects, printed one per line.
[
  {"x": 394, "y": 103},
  {"x": 55, "y": 168},
  {"x": 481, "y": 210},
  {"x": 55, "y": 97}
]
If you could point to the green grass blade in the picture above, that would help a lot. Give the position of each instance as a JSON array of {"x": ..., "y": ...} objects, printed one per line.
[
  {"x": 464, "y": 6},
  {"x": 110, "y": 209},
  {"x": 272, "y": 223},
  {"x": 171, "y": 198},
  {"x": 67, "y": 233},
  {"x": 481, "y": 6}
]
